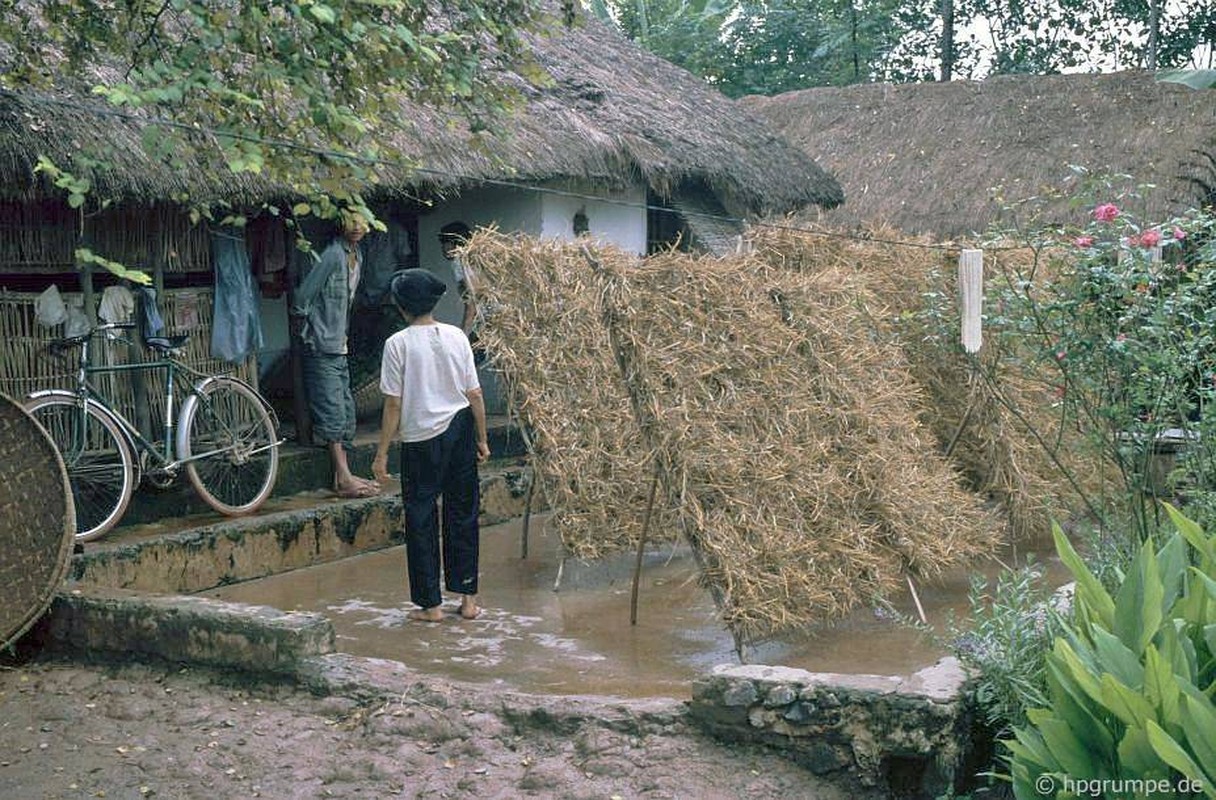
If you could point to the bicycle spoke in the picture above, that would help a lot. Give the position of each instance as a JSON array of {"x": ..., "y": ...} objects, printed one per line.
[
  {"x": 99, "y": 465},
  {"x": 232, "y": 448}
]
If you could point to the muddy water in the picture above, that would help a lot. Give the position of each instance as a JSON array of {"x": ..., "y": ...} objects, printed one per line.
[{"x": 578, "y": 639}]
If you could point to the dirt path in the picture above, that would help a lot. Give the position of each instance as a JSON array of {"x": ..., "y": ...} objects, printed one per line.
[{"x": 69, "y": 730}]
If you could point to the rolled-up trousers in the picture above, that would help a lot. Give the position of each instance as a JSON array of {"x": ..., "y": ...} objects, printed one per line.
[{"x": 443, "y": 466}]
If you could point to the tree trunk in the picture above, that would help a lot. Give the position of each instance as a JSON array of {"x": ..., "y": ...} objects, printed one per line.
[
  {"x": 947, "y": 40},
  {"x": 1154, "y": 32}
]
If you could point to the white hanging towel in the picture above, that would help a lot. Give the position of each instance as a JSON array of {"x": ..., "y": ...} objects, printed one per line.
[
  {"x": 971, "y": 298},
  {"x": 117, "y": 304}
]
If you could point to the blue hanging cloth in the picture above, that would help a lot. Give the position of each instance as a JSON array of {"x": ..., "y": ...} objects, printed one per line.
[
  {"x": 236, "y": 328},
  {"x": 151, "y": 323}
]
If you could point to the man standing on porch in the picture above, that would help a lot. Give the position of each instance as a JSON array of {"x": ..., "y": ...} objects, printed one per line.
[{"x": 323, "y": 306}]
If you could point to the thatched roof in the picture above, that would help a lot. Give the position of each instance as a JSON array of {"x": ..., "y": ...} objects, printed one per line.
[
  {"x": 612, "y": 113},
  {"x": 925, "y": 157}
]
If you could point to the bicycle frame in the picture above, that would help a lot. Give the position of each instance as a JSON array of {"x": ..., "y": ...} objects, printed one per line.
[{"x": 87, "y": 392}]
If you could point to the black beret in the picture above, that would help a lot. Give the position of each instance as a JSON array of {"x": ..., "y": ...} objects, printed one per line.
[{"x": 417, "y": 290}]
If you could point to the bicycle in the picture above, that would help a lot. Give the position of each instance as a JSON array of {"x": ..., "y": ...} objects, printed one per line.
[{"x": 226, "y": 440}]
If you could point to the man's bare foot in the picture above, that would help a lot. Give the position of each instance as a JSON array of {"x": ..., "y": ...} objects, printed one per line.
[
  {"x": 432, "y": 614},
  {"x": 469, "y": 608},
  {"x": 356, "y": 487}
]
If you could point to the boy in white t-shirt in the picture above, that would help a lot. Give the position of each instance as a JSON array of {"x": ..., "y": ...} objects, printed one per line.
[{"x": 433, "y": 405}]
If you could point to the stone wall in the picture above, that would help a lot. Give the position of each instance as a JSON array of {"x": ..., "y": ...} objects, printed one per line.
[{"x": 908, "y": 735}]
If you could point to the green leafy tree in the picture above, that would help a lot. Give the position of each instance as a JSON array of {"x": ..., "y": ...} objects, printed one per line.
[
  {"x": 298, "y": 91},
  {"x": 1119, "y": 314},
  {"x": 1050, "y": 36},
  {"x": 774, "y": 46}
]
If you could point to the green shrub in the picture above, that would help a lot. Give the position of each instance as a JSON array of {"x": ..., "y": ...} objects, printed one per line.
[
  {"x": 1007, "y": 635},
  {"x": 1130, "y": 681}
]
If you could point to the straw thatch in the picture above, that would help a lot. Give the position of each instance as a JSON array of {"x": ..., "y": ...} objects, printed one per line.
[
  {"x": 588, "y": 451},
  {"x": 994, "y": 417},
  {"x": 927, "y": 158},
  {"x": 610, "y": 113},
  {"x": 783, "y": 424}
]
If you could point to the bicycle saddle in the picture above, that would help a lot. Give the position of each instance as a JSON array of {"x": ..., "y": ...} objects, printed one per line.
[{"x": 167, "y": 343}]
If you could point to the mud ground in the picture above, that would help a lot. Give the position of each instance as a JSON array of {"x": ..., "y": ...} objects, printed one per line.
[{"x": 74, "y": 730}]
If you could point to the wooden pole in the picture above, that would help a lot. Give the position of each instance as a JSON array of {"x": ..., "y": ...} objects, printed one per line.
[
  {"x": 637, "y": 564},
  {"x": 920, "y": 610},
  {"x": 88, "y": 293},
  {"x": 299, "y": 406},
  {"x": 665, "y": 458},
  {"x": 523, "y": 538},
  {"x": 139, "y": 383}
]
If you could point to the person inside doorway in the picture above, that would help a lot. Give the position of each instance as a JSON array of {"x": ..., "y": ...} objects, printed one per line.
[{"x": 453, "y": 236}]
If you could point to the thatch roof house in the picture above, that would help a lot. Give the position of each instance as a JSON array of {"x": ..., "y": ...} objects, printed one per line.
[
  {"x": 619, "y": 131},
  {"x": 613, "y": 113},
  {"x": 927, "y": 157}
]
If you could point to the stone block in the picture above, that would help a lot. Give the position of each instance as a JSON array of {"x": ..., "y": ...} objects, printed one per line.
[{"x": 191, "y": 629}]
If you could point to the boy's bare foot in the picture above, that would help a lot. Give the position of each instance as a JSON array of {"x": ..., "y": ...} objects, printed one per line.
[
  {"x": 432, "y": 614},
  {"x": 469, "y": 608}
]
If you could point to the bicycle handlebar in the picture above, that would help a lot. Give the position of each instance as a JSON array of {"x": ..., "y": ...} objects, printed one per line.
[{"x": 57, "y": 346}]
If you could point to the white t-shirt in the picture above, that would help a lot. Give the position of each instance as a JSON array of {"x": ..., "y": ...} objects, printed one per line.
[{"x": 430, "y": 367}]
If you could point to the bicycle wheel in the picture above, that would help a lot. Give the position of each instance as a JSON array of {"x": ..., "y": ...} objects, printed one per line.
[
  {"x": 100, "y": 466},
  {"x": 229, "y": 443}
]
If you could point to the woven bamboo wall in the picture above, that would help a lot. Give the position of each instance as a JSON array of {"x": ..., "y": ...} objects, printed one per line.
[
  {"x": 26, "y": 365},
  {"x": 42, "y": 238}
]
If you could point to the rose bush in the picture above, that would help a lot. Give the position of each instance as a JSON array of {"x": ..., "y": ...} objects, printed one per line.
[{"x": 1120, "y": 317}]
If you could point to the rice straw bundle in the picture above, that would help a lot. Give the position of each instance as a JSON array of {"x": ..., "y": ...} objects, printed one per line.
[{"x": 786, "y": 430}]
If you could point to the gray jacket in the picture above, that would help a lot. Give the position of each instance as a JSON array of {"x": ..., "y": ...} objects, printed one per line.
[{"x": 324, "y": 300}]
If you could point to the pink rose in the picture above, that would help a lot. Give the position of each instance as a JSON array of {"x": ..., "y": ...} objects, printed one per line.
[
  {"x": 1150, "y": 239},
  {"x": 1084, "y": 241},
  {"x": 1106, "y": 212},
  {"x": 1179, "y": 234},
  {"x": 1121, "y": 337},
  {"x": 1061, "y": 355}
]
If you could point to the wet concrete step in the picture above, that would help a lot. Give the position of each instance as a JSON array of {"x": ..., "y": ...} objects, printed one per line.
[
  {"x": 187, "y": 553},
  {"x": 305, "y": 468}
]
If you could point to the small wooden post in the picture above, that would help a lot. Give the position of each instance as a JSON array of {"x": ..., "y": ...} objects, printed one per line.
[
  {"x": 920, "y": 610},
  {"x": 523, "y": 538},
  {"x": 139, "y": 382}
]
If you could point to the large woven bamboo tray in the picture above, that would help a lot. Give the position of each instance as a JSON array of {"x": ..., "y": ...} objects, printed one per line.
[{"x": 37, "y": 521}]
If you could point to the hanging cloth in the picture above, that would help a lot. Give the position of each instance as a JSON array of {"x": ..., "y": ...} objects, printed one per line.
[
  {"x": 117, "y": 304},
  {"x": 236, "y": 329},
  {"x": 151, "y": 323}
]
